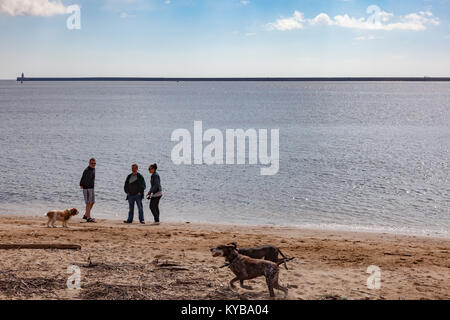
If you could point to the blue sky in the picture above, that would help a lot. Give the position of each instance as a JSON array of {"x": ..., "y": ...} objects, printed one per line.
[{"x": 226, "y": 38}]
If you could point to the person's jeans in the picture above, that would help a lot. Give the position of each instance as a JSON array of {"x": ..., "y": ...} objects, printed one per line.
[
  {"x": 131, "y": 200},
  {"x": 154, "y": 207}
]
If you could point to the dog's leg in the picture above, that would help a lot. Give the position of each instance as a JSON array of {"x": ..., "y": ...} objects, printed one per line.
[
  {"x": 271, "y": 278},
  {"x": 277, "y": 285},
  {"x": 270, "y": 286},
  {"x": 48, "y": 223},
  {"x": 54, "y": 220},
  {"x": 284, "y": 289},
  {"x": 233, "y": 281},
  {"x": 244, "y": 286}
]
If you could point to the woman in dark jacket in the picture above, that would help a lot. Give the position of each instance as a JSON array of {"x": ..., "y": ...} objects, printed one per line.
[{"x": 155, "y": 192}]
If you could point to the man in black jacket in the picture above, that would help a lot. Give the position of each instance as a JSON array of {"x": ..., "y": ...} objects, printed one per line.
[
  {"x": 134, "y": 188},
  {"x": 87, "y": 184}
]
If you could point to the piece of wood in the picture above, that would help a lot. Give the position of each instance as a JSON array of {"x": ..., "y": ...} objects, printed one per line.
[
  {"x": 397, "y": 254},
  {"x": 40, "y": 246},
  {"x": 174, "y": 268}
]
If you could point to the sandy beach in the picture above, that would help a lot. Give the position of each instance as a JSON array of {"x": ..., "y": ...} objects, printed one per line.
[{"x": 173, "y": 261}]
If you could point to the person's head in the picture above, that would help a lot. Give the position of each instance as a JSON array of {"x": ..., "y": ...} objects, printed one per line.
[
  {"x": 153, "y": 168},
  {"x": 92, "y": 163},
  {"x": 134, "y": 168}
]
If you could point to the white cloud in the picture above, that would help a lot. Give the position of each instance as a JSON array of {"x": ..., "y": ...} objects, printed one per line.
[
  {"x": 244, "y": 2},
  {"x": 291, "y": 23},
  {"x": 321, "y": 20},
  {"x": 381, "y": 21},
  {"x": 366, "y": 38},
  {"x": 32, "y": 7},
  {"x": 125, "y": 15},
  {"x": 412, "y": 21}
]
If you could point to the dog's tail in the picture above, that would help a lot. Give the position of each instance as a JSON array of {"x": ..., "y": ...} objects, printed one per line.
[
  {"x": 284, "y": 260},
  {"x": 281, "y": 253}
]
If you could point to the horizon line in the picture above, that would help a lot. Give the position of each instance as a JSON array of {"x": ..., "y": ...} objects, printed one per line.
[{"x": 189, "y": 79}]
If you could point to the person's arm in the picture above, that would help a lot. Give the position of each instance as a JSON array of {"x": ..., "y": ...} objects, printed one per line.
[
  {"x": 155, "y": 184},
  {"x": 152, "y": 183},
  {"x": 143, "y": 185},
  {"x": 125, "y": 187},
  {"x": 83, "y": 177}
]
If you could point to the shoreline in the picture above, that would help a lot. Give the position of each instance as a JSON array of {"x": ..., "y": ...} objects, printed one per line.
[
  {"x": 118, "y": 222},
  {"x": 173, "y": 261},
  {"x": 240, "y": 79},
  {"x": 338, "y": 228}
]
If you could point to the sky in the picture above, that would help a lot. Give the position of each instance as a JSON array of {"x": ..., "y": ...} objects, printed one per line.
[{"x": 224, "y": 38}]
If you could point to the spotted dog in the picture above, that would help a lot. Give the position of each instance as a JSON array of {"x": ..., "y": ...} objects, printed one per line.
[{"x": 246, "y": 268}]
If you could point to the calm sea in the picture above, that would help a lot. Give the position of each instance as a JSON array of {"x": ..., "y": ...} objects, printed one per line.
[{"x": 353, "y": 156}]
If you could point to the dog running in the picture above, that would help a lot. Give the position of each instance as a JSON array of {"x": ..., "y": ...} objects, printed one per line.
[
  {"x": 267, "y": 252},
  {"x": 60, "y": 215},
  {"x": 246, "y": 268}
]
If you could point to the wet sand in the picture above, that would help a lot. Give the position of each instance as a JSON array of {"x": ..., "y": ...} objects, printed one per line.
[{"x": 173, "y": 261}]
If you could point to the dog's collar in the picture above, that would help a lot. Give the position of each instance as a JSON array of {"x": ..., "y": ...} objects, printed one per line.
[{"x": 230, "y": 261}]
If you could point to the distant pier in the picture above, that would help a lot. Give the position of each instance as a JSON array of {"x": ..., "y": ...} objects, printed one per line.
[{"x": 254, "y": 79}]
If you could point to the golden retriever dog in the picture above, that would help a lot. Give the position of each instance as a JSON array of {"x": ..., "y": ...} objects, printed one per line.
[{"x": 63, "y": 216}]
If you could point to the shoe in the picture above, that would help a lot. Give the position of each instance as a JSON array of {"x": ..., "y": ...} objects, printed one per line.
[
  {"x": 155, "y": 224},
  {"x": 84, "y": 217},
  {"x": 125, "y": 221},
  {"x": 142, "y": 222},
  {"x": 91, "y": 220}
]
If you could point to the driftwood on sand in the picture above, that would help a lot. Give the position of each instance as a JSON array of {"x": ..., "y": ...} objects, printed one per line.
[{"x": 40, "y": 246}]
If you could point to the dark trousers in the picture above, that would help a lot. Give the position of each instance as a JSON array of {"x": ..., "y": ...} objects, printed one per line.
[
  {"x": 131, "y": 200},
  {"x": 154, "y": 207}
]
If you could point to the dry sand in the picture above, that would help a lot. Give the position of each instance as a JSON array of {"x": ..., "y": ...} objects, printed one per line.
[{"x": 172, "y": 261}]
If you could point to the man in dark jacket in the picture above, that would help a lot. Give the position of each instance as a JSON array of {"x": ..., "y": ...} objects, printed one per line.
[
  {"x": 134, "y": 188},
  {"x": 87, "y": 184}
]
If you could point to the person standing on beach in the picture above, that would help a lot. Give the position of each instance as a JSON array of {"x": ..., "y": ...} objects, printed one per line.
[
  {"x": 87, "y": 184},
  {"x": 155, "y": 192},
  {"x": 134, "y": 188}
]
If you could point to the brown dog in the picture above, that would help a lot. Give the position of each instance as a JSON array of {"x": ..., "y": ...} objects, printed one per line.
[
  {"x": 266, "y": 252},
  {"x": 246, "y": 268},
  {"x": 63, "y": 216}
]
